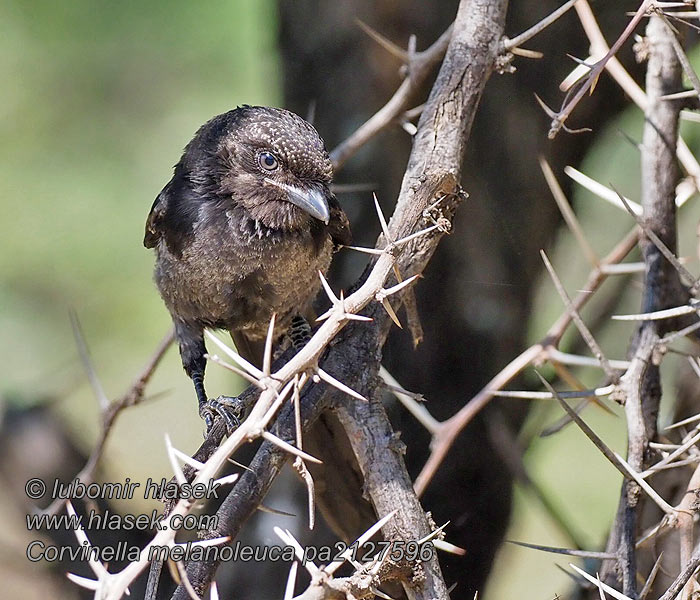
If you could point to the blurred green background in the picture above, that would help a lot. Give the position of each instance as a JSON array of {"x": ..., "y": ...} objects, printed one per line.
[
  {"x": 583, "y": 486},
  {"x": 97, "y": 103},
  {"x": 98, "y": 100}
]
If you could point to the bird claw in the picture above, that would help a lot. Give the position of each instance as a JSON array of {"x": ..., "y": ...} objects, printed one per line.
[
  {"x": 299, "y": 332},
  {"x": 230, "y": 409}
]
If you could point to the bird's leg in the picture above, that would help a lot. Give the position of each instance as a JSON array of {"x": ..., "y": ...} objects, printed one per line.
[
  {"x": 192, "y": 351},
  {"x": 229, "y": 408},
  {"x": 206, "y": 411},
  {"x": 198, "y": 380},
  {"x": 299, "y": 332}
]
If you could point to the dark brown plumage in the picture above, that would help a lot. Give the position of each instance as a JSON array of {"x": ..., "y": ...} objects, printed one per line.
[{"x": 241, "y": 231}]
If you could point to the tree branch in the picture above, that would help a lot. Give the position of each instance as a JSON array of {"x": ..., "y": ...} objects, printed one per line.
[
  {"x": 429, "y": 191},
  {"x": 662, "y": 287}
]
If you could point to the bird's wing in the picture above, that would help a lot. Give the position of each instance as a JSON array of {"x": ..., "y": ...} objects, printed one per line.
[
  {"x": 173, "y": 215},
  {"x": 154, "y": 223},
  {"x": 338, "y": 224}
]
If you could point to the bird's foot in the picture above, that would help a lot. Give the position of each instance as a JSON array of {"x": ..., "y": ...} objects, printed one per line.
[
  {"x": 230, "y": 409},
  {"x": 299, "y": 332}
]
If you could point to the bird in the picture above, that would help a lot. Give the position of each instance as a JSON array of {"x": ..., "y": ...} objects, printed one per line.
[{"x": 240, "y": 234}]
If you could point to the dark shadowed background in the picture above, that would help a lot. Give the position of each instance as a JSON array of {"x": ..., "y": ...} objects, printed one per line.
[{"x": 98, "y": 100}]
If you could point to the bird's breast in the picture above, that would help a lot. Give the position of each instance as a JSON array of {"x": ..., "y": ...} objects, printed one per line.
[{"x": 227, "y": 280}]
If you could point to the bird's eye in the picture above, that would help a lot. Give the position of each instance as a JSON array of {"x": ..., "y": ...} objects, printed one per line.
[{"x": 268, "y": 161}]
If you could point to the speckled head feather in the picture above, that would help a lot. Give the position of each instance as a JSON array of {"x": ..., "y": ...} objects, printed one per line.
[
  {"x": 293, "y": 140},
  {"x": 220, "y": 172},
  {"x": 302, "y": 163}
]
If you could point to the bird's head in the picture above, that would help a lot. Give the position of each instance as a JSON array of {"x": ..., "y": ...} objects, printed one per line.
[{"x": 274, "y": 164}]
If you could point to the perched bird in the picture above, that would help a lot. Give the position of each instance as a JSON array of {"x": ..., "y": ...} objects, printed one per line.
[{"x": 240, "y": 232}]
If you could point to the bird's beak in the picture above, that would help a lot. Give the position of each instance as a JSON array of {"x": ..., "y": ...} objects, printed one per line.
[{"x": 312, "y": 199}]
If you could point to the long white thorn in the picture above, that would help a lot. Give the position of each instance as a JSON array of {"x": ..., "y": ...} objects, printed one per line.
[
  {"x": 365, "y": 250},
  {"x": 333, "y": 567},
  {"x": 687, "y": 421},
  {"x": 270, "y": 437},
  {"x": 444, "y": 546},
  {"x": 267, "y": 356},
  {"x": 415, "y": 235},
  {"x": 528, "y": 395},
  {"x": 177, "y": 469},
  {"x": 354, "y": 317},
  {"x": 226, "y": 479},
  {"x": 240, "y": 372},
  {"x": 325, "y": 315},
  {"x": 432, "y": 534},
  {"x": 651, "y": 492},
  {"x": 379, "y": 593},
  {"x": 599, "y": 584},
  {"x": 399, "y": 286},
  {"x": 286, "y": 536},
  {"x": 237, "y": 358},
  {"x": 382, "y": 220},
  {"x": 96, "y": 566},
  {"x": 291, "y": 581},
  {"x": 204, "y": 543},
  {"x": 84, "y": 582},
  {"x": 603, "y": 192},
  {"x": 329, "y": 292},
  {"x": 281, "y": 397},
  {"x": 338, "y": 384},
  {"x": 658, "y": 314},
  {"x": 187, "y": 459}
]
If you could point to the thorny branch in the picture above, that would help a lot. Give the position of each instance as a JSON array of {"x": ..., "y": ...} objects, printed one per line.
[
  {"x": 559, "y": 118},
  {"x": 110, "y": 411},
  {"x": 430, "y": 183},
  {"x": 600, "y": 48},
  {"x": 432, "y": 173},
  {"x": 662, "y": 287},
  {"x": 419, "y": 67},
  {"x": 447, "y": 431},
  {"x": 473, "y": 49}
]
